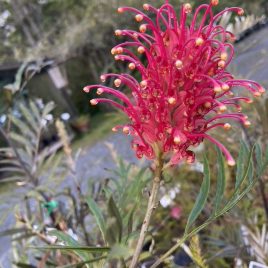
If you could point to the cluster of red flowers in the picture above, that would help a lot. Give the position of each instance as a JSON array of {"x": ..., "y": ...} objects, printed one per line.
[{"x": 185, "y": 90}]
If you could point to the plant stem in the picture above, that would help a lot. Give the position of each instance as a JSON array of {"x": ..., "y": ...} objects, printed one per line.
[{"x": 152, "y": 203}]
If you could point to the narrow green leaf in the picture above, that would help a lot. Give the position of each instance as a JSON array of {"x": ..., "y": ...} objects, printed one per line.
[
  {"x": 31, "y": 121},
  {"x": 71, "y": 243},
  {"x": 97, "y": 215},
  {"x": 245, "y": 173},
  {"x": 265, "y": 162},
  {"x": 221, "y": 179},
  {"x": 77, "y": 248},
  {"x": 21, "y": 140},
  {"x": 114, "y": 212},
  {"x": 48, "y": 108},
  {"x": 240, "y": 164},
  {"x": 13, "y": 231},
  {"x": 81, "y": 264},
  {"x": 130, "y": 222},
  {"x": 259, "y": 160},
  {"x": 35, "y": 111},
  {"x": 201, "y": 198},
  {"x": 24, "y": 265},
  {"x": 119, "y": 251},
  {"x": 22, "y": 126}
]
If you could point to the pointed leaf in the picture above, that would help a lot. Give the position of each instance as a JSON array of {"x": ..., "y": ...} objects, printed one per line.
[
  {"x": 114, "y": 212},
  {"x": 97, "y": 215},
  {"x": 70, "y": 242},
  {"x": 201, "y": 198},
  {"x": 221, "y": 179},
  {"x": 77, "y": 248},
  {"x": 240, "y": 164}
]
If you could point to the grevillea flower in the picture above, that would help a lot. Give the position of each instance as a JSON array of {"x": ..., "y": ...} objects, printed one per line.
[{"x": 184, "y": 90}]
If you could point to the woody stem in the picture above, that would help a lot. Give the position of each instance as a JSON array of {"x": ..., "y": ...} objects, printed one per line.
[{"x": 152, "y": 204}]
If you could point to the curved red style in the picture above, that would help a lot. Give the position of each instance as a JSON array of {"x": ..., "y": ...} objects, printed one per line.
[{"x": 185, "y": 90}]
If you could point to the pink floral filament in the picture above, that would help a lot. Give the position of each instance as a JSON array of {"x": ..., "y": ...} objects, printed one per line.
[{"x": 185, "y": 89}]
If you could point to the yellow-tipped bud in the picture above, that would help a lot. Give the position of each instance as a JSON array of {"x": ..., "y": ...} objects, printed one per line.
[
  {"x": 177, "y": 140},
  {"x": 225, "y": 87},
  {"x": 132, "y": 66},
  {"x": 100, "y": 91},
  {"x": 93, "y": 102},
  {"x": 126, "y": 130},
  {"x": 171, "y": 100},
  {"x": 120, "y": 10},
  {"x": 86, "y": 89},
  {"x": 178, "y": 64},
  {"x": 221, "y": 64},
  {"x": 143, "y": 28},
  {"x": 102, "y": 78},
  {"x": 118, "y": 32},
  {"x": 214, "y": 2},
  {"x": 217, "y": 89},
  {"x": 231, "y": 162},
  {"x": 113, "y": 51},
  {"x": 187, "y": 8},
  {"x": 114, "y": 129},
  {"x": 222, "y": 108},
  {"x": 247, "y": 123},
  {"x": 138, "y": 17},
  {"x": 143, "y": 84},
  {"x": 257, "y": 94},
  {"x": 146, "y": 7},
  {"x": 116, "y": 57},
  {"x": 241, "y": 12},
  {"x": 117, "y": 82},
  {"x": 119, "y": 50},
  {"x": 261, "y": 90},
  {"x": 199, "y": 41},
  {"x": 224, "y": 56},
  {"x": 141, "y": 49},
  {"x": 207, "y": 104},
  {"x": 227, "y": 126}
]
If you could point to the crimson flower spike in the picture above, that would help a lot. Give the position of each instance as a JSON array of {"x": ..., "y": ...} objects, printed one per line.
[{"x": 185, "y": 90}]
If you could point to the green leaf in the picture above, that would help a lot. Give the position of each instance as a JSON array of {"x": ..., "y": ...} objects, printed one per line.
[
  {"x": 201, "y": 198},
  {"x": 81, "y": 264},
  {"x": 130, "y": 222},
  {"x": 13, "y": 231},
  {"x": 119, "y": 251},
  {"x": 35, "y": 111},
  {"x": 77, "y": 248},
  {"x": 24, "y": 265},
  {"x": 114, "y": 212},
  {"x": 21, "y": 140},
  {"x": 71, "y": 243},
  {"x": 259, "y": 160},
  {"x": 22, "y": 126},
  {"x": 245, "y": 173},
  {"x": 240, "y": 164},
  {"x": 27, "y": 114},
  {"x": 265, "y": 162},
  {"x": 221, "y": 180},
  {"x": 97, "y": 215},
  {"x": 246, "y": 168},
  {"x": 48, "y": 108}
]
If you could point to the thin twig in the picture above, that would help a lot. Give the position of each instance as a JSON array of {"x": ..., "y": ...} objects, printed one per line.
[{"x": 150, "y": 208}]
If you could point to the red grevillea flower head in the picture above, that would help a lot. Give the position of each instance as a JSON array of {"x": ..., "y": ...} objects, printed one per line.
[{"x": 184, "y": 90}]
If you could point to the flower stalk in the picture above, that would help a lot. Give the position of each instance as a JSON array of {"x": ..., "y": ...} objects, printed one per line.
[{"x": 152, "y": 204}]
